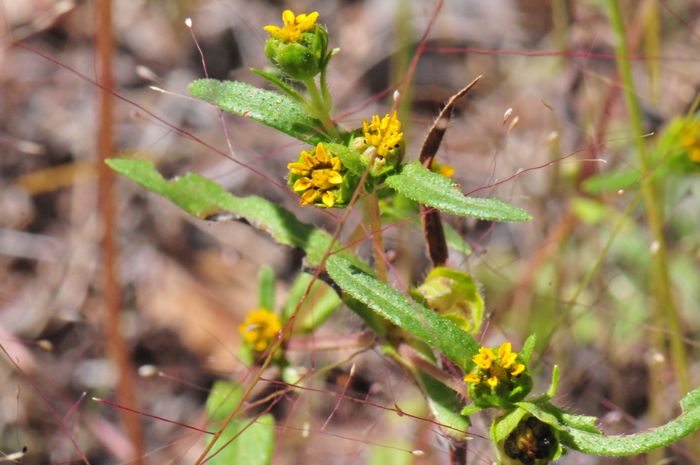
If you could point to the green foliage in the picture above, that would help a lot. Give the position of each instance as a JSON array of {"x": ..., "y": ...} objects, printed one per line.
[
  {"x": 249, "y": 441},
  {"x": 454, "y": 295},
  {"x": 445, "y": 406},
  {"x": 455, "y": 344},
  {"x": 266, "y": 288},
  {"x": 269, "y": 108},
  {"x": 321, "y": 303},
  {"x": 206, "y": 199},
  {"x": 435, "y": 190}
]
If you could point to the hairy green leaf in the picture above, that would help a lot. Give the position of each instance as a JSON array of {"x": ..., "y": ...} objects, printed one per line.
[
  {"x": 555, "y": 381},
  {"x": 269, "y": 108},
  {"x": 526, "y": 351},
  {"x": 206, "y": 199},
  {"x": 503, "y": 426},
  {"x": 435, "y": 190},
  {"x": 453, "y": 238},
  {"x": 639, "y": 443},
  {"x": 455, "y": 344}
]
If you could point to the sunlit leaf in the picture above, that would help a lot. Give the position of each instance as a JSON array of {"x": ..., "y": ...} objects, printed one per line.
[
  {"x": 269, "y": 108},
  {"x": 435, "y": 190},
  {"x": 206, "y": 199},
  {"x": 455, "y": 344}
]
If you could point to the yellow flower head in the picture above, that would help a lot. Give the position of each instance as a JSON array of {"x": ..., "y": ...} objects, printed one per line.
[
  {"x": 293, "y": 26},
  {"x": 383, "y": 134},
  {"x": 691, "y": 140},
  {"x": 260, "y": 328},
  {"x": 320, "y": 176},
  {"x": 495, "y": 368}
]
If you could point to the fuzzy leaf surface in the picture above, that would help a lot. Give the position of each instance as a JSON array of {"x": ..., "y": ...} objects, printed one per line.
[
  {"x": 269, "y": 108},
  {"x": 435, "y": 190},
  {"x": 206, "y": 199},
  {"x": 455, "y": 344}
]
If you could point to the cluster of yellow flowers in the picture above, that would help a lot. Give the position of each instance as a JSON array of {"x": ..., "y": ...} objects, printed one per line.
[
  {"x": 383, "y": 134},
  {"x": 293, "y": 26},
  {"x": 260, "y": 328},
  {"x": 321, "y": 176},
  {"x": 498, "y": 369}
]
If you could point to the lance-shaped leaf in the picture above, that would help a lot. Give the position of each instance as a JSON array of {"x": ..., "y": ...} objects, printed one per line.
[
  {"x": 269, "y": 108},
  {"x": 435, "y": 190},
  {"x": 578, "y": 432},
  {"x": 206, "y": 199},
  {"x": 252, "y": 440},
  {"x": 457, "y": 345}
]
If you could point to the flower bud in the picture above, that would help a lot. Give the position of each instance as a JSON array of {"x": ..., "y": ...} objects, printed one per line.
[
  {"x": 298, "y": 49},
  {"x": 455, "y": 296},
  {"x": 499, "y": 379},
  {"x": 532, "y": 442}
]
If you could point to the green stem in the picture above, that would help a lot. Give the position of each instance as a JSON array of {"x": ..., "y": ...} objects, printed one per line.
[
  {"x": 375, "y": 226},
  {"x": 320, "y": 111},
  {"x": 665, "y": 307}
]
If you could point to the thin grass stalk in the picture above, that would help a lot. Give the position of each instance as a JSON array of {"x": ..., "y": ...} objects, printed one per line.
[
  {"x": 125, "y": 394},
  {"x": 666, "y": 312}
]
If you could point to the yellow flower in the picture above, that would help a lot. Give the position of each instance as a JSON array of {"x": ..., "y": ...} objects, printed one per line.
[
  {"x": 383, "y": 134},
  {"x": 472, "y": 378},
  {"x": 321, "y": 176},
  {"x": 293, "y": 27},
  {"x": 484, "y": 358},
  {"x": 691, "y": 140},
  {"x": 495, "y": 367},
  {"x": 517, "y": 369},
  {"x": 260, "y": 328},
  {"x": 507, "y": 357}
]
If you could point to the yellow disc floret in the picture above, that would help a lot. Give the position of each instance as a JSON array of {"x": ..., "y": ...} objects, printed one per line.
[
  {"x": 383, "y": 134},
  {"x": 320, "y": 179},
  {"x": 293, "y": 26},
  {"x": 260, "y": 328},
  {"x": 495, "y": 369}
]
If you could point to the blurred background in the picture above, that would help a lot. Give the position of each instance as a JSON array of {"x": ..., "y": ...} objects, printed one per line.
[{"x": 187, "y": 284}]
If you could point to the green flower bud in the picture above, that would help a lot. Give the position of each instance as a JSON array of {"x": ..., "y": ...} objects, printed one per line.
[
  {"x": 299, "y": 49},
  {"x": 455, "y": 296},
  {"x": 499, "y": 379}
]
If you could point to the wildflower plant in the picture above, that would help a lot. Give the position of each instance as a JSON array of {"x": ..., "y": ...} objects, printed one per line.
[{"x": 430, "y": 332}]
